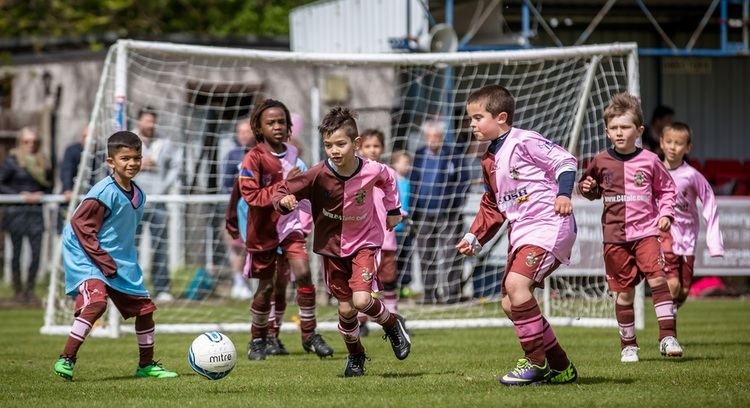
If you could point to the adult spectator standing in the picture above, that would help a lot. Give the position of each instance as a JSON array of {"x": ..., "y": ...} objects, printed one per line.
[
  {"x": 26, "y": 171},
  {"x": 651, "y": 139},
  {"x": 245, "y": 140},
  {"x": 68, "y": 173},
  {"x": 439, "y": 181},
  {"x": 160, "y": 169}
]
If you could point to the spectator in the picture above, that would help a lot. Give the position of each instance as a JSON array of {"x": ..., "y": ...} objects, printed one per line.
[
  {"x": 245, "y": 141},
  {"x": 26, "y": 172},
  {"x": 160, "y": 169},
  {"x": 401, "y": 162},
  {"x": 439, "y": 182},
  {"x": 69, "y": 172},
  {"x": 651, "y": 138}
]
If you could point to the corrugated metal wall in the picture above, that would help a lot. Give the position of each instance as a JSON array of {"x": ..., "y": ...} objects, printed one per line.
[{"x": 353, "y": 25}]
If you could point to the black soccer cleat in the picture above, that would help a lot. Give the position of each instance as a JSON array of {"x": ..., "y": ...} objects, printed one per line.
[
  {"x": 315, "y": 343},
  {"x": 256, "y": 349},
  {"x": 355, "y": 365},
  {"x": 399, "y": 338},
  {"x": 274, "y": 347}
]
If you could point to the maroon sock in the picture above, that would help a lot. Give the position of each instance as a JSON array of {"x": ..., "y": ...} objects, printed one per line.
[
  {"x": 556, "y": 356},
  {"x": 349, "y": 329},
  {"x": 665, "y": 310},
  {"x": 81, "y": 327},
  {"x": 377, "y": 311},
  {"x": 144, "y": 331},
  {"x": 306, "y": 304},
  {"x": 626, "y": 322},
  {"x": 260, "y": 309},
  {"x": 527, "y": 318}
]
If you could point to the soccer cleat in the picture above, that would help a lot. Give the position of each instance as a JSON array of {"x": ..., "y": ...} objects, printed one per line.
[
  {"x": 355, "y": 365},
  {"x": 315, "y": 343},
  {"x": 629, "y": 354},
  {"x": 274, "y": 347},
  {"x": 566, "y": 376},
  {"x": 155, "y": 370},
  {"x": 670, "y": 347},
  {"x": 64, "y": 367},
  {"x": 400, "y": 340},
  {"x": 526, "y": 373},
  {"x": 256, "y": 349}
]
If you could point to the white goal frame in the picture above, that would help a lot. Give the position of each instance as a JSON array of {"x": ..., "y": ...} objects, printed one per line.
[{"x": 118, "y": 55}]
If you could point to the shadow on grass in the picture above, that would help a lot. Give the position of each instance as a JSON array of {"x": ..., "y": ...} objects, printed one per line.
[
  {"x": 604, "y": 380},
  {"x": 400, "y": 375},
  {"x": 716, "y": 343},
  {"x": 674, "y": 360}
]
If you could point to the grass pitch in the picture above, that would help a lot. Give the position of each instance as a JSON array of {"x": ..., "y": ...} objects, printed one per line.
[{"x": 446, "y": 368}]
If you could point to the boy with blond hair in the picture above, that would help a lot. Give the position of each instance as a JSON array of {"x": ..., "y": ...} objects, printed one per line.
[{"x": 638, "y": 196}]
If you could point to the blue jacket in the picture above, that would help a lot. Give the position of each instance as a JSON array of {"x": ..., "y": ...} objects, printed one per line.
[{"x": 439, "y": 181}]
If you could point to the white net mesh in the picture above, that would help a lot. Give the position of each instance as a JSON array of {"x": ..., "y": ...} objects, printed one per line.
[{"x": 200, "y": 93}]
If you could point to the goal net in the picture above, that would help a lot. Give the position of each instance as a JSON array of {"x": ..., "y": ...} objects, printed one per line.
[{"x": 199, "y": 94}]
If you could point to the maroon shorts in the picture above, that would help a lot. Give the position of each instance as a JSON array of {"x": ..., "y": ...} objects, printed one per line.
[
  {"x": 387, "y": 268},
  {"x": 626, "y": 264},
  {"x": 355, "y": 273},
  {"x": 95, "y": 291},
  {"x": 294, "y": 246},
  {"x": 262, "y": 264},
  {"x": 532, "y": 262}
]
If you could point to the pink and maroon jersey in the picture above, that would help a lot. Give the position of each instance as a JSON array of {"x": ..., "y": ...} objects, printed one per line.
[
  {"x": 520, "y": 173},
  {"x": 637, "y": 191},
  {"x": 389, "y": 237},
  {"x": 343, "y": 208},
  {"x": 691, "y": 185},
  {"x": 300, "y": 219},
  {"x": 261, "y": 173}
]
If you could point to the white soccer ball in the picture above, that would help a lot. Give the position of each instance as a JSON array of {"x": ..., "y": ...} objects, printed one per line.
[{"x": 212, "y": 355}]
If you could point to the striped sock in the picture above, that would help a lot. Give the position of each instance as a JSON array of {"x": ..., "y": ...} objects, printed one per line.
[
  {"x": 626, "y": 322},
  {"x": 306, "y": 304},
  {"x": 145, "y": 334},
  {"x": 527, "y": 318},
  {"x": 665, "y": 310},
  {"x": 82, "y": 326},
  {"x": 349, "y": 329}
]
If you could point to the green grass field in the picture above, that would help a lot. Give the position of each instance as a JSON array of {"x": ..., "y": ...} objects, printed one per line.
[{"x": 446, "y": 368}]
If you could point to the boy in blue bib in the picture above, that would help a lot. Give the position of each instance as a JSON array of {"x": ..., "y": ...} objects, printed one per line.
[{"x": 101, "y": 258}]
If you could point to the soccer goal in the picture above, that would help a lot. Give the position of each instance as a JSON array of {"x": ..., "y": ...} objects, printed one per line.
[{"x": 200, "y": 93}]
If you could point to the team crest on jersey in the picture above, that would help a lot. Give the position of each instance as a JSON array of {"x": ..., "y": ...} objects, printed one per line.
[
  {"x": 661, "y": 261},
  {"x": 522, "y": 199},
  {"x": 366, "y": 275},
  {"x": 514, "y": 173},
  {"x": 360, "y": 197},
  {"x": 639, "y": 178},
  {"x": 531, "y": 259}
]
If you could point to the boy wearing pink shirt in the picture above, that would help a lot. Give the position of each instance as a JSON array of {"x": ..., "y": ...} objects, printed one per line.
[
  {"x": 528, "y": 181},
  {"x": 348, "y": 232},
  {"x": 691, "y": 185},
  {"x": 638, "y": 198}
]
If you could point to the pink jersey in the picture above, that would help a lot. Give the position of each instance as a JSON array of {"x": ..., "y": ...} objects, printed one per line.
[
  {"x": 389, "y": 237},
  {"x": 300, "y": 219},
  {"x": 343, "y": 207},
  {"x": 520, "y": 174},
  {"x": 691, "y": 185},
  {"x": 637, "y": 191}
]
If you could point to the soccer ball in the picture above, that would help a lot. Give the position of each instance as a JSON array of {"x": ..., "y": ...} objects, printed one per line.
[{"x": 212, "y": 355}]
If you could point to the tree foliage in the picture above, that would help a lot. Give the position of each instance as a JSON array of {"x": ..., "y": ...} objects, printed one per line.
[{"x": 144, "y": 19}]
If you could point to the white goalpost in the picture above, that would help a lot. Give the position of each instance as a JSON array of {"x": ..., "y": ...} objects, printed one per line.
[{"x": 200, "y": 93}]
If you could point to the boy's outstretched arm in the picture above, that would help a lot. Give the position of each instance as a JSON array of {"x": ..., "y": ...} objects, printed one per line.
[
  {"x": 714, "y": 239},
  {"x": 292, "y": 190}
]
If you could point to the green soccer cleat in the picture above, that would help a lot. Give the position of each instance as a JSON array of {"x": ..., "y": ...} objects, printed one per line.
[
  {"x": 154, "y": 370},
  {"x": 566, "y": 376},
  {"x": 64, "y": 367}
]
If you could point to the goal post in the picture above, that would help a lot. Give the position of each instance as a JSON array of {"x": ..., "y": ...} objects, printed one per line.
[{"x": 200, "y": 93}]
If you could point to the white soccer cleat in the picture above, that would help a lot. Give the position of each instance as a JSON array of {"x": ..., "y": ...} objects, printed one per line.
[
  {"x": 164, "y": 297},
  {"x": 670, "y": 347},
  {"x": 241, "y": 292},
  {"x": 629, "y": 354}
]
